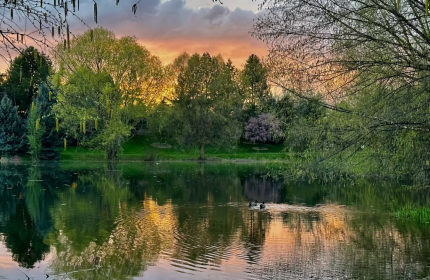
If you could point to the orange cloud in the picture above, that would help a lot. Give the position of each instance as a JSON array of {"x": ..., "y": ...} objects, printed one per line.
[{"x": 168, "y": 28}]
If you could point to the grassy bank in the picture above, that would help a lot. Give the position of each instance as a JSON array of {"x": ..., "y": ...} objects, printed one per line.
[
  {"x": 415, "y": 214},
  {"x": 146, "y": 148}
]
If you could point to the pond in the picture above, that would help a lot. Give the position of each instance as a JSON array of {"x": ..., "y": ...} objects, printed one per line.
[{"x": 192, "y": 221}]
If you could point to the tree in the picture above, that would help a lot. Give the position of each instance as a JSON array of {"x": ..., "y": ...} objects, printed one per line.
[
  {"x": 372, "y": 55},
  {"x": 138, "y": 74},
  {"x": 264, "y": 128},
  {"x": 25, "y": 74},
  {"x": 208, "y": 102},
  {"x": 35, "y": 131},
  {"x": 12, "y": 133},
  {"x": 254, "y": 82},
  {"x": 108, "y": 95},
  {"x": 91, "y": 111},
  {"x": 172, "y": 72},
  {"x": 161, "y": 121},
  {"x": 50, "y": 139}
]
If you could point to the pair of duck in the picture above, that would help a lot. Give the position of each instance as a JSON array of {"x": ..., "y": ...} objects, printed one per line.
[{"x": 255, "y": 204}]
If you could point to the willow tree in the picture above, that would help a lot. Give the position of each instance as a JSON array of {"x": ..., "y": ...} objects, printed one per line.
[
  {"x": 371, "y": 54},
  {"x": 138, "y": 74},
  {"x": 107, "y": 96}
]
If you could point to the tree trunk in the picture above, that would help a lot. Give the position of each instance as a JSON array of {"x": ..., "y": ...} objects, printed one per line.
[
  {"x": 112, "y": 154},
  {"x": 202, "y": 152}
]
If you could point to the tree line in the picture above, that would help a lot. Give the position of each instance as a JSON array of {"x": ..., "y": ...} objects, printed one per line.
[{"x": 103, "y": 90}]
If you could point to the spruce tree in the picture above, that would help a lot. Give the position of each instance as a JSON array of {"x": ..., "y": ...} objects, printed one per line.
[{"x": 12, "y": 134}]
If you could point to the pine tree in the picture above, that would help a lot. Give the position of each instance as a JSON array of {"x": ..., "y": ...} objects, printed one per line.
[{"x": 12, "y": 134}]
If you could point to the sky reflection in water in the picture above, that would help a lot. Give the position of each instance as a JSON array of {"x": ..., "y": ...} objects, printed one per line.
[{"x": 191, "y": 221}]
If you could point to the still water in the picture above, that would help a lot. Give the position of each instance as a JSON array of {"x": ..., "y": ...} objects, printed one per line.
[{"x": 192, "y": 221}]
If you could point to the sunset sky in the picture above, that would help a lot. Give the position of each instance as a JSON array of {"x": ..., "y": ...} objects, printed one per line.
[{"x": 168, "y": 28}]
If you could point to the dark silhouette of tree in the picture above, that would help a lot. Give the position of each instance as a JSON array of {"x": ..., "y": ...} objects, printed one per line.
[
  {"x": 12, "y": 133},
  {"x": 254, "y": 83},
  {"x": 22, "y": 238},
  {"x": 25, "y": 74}
]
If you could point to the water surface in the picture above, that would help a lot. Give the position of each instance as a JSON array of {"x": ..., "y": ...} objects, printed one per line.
[{"x": 192, "y": 221}]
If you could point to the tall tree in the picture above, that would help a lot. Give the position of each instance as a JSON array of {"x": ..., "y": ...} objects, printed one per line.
[
  {"x": 35, "y": 131},
  {"x": 115, "y": 81},
  {"x": 25, "y": 74},
  {"x": 51, "y": 137},
  {"x": 254, "y": 82},
  {"x": 12, "y": 133},
  {"x": 92, "y": 111},
  {"x": 207, "y": 101}
]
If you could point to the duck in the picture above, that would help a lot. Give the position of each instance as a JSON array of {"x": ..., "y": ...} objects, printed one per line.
[
  {"x": 253, "y": 204},
  {"x": 262, "y": 205}
]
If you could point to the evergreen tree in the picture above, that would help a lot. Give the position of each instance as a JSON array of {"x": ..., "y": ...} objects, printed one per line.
[
  {"x": 254, "y": 83},
  {"x": 26, "y": 72},
  {"x": 12, "y": 135}
]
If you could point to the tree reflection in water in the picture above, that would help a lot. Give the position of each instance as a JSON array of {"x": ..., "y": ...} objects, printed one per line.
[
  {"x": 21, "y": 237},
  {"x": 117, "y": 221}
]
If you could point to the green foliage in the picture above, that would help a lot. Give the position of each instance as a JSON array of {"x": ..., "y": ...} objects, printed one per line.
[
  {"x": 160, "y": 122},
  {"x": 12, "y": 133},
  {"x": 107, "y": 96},
  {"x": 85, "y": 102},
  {"x": 134, "y": 71},
  {"x": 35, "y": 131},
  {"x": 113, "y": 137},
  {"x": 208, "y": 104},
  {"x": 369, "y": 69},
  {"x": 26, "y": 72},
  {"x": 46, "y": 100},
  {"x": 306, "y": 129},
  {"x": 415, "y": 214},
  {"x": 254, "y": 84},
  {"x": 283, "y": 109}
]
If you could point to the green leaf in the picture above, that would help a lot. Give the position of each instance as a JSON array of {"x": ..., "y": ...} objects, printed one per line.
[{"x": 427, "y": 7}]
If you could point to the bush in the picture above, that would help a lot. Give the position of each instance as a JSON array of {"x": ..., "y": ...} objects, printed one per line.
[{"x": 264, "y": 128}]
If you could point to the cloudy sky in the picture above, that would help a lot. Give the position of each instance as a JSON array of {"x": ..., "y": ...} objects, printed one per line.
[{"x": 170, "y": 27}]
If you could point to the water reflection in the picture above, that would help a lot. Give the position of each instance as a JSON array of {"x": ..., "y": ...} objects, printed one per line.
[{"x": 185, "y": 221}]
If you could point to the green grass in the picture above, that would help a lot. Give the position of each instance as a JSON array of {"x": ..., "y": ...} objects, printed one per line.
[
  {"x": 416, "y": 214},
  {"x": 140, "y": 148}
]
